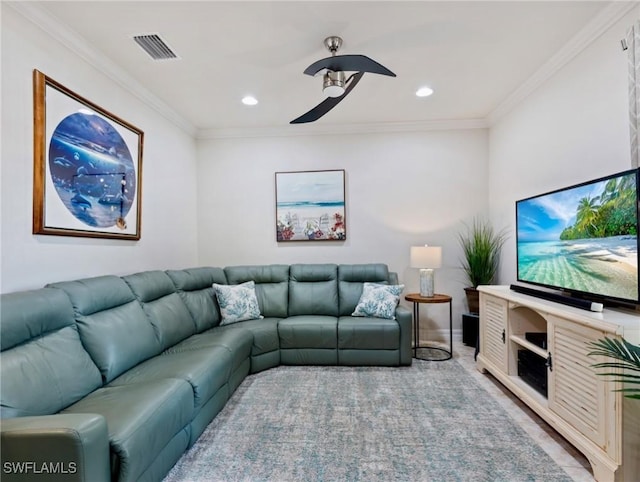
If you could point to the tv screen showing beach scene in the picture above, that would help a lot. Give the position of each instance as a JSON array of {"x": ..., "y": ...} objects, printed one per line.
[{"x": 582, "y": 239}]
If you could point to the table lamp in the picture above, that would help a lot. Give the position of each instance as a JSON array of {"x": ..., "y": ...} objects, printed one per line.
[{"x": 426, "y": 258}]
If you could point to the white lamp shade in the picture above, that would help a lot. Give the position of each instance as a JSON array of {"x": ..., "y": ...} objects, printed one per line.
[{"x": 426, "y": 256}]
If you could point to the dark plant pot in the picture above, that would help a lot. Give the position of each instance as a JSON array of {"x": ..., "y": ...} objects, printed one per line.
[{"x": 473, "y": 299}]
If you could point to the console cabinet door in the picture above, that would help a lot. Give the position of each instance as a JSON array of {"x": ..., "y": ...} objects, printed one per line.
[
  {"x": 576, "y": 393},
  {"x": 493, "y": 336}
]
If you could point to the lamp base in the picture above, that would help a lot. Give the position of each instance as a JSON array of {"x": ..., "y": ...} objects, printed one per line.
[{"x": 426, "y": 282}]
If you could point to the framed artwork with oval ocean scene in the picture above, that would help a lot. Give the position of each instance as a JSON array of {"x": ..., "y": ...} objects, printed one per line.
[
  {"x": 310, "y": 206},
  {"x": 87, "y": 166}
]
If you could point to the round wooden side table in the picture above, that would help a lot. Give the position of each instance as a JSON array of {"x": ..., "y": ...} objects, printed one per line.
[{"x": 416, "y": 299}]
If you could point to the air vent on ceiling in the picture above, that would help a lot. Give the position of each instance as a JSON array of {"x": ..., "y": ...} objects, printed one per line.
[{"x": 155, "y": 46}]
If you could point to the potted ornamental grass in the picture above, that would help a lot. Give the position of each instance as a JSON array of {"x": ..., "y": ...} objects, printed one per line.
[{"x": 481, "y": 246}]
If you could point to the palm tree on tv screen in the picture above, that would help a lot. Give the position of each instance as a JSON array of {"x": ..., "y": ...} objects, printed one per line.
[
  {"x": 612, "y": 213},
  {"x": 587, "y": 214}
]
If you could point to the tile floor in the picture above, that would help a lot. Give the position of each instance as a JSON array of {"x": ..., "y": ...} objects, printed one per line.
[{"x": 573, "y": 462}]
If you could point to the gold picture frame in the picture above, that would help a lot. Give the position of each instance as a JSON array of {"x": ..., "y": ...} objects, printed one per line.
[{"x": 87, "y": 166}]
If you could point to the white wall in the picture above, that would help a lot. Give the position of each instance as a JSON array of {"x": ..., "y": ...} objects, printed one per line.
[
  {"x": 572, "y": 129},
  {"x": 169, "y": 172},
  {"x": 402, "y": 189}
]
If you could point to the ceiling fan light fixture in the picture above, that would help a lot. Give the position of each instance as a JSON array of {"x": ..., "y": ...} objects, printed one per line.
[
  {"x": 333, "y": 91},
  {"x": 333, "y": 84}
]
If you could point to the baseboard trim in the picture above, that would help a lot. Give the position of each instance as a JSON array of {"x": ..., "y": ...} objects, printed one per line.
[{"x": 440, "y": 335}]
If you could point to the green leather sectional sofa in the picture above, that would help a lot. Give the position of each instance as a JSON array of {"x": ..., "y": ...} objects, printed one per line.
[{"x": 113, "y": 378}]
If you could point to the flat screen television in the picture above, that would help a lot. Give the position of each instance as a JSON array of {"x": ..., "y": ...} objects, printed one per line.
[{"x": 582, "y": 239}]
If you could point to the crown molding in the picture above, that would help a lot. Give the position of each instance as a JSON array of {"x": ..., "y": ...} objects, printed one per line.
[
  {"x": 99, "y": 61},
  {"x": 77, "y": 44},
  {"x": 604, "y": 20},
  {"x": 341, "y": 129}
]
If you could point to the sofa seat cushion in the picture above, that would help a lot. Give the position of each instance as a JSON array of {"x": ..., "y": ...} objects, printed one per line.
[
  {"x": 205, "y": 370},
  {"x": 141, "y": 418},
  {"x": 265, "y": 334},
  {"x": 238, "y": 342},
  {"x": 308, "y": 331},
  {"x": 366, "y": 333}
]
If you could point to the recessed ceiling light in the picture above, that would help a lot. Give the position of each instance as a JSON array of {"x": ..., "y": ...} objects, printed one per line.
[
  {"x": 424, "y": 92},
  {"x": 249, "y": 100}
]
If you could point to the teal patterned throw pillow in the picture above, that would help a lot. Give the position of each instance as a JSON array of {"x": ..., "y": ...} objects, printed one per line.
[
  {"x": 237, "y": 302},
  {"x": 378, "y": 300}
]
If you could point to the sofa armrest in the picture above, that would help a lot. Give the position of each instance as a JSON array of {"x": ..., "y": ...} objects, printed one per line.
[
  {"x": 405, "y": 318},
  {"x": 70, "y": 447}
]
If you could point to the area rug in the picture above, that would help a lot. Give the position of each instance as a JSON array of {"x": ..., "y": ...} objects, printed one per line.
[{"x": 427, "y": 422}]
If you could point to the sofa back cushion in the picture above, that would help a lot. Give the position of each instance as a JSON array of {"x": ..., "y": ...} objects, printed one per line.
[
  {"x": 112, "y": 325},
  {"x": 351, "y": 278},
  {"x": 43, "y": 366},
  {"x": 166, "y": 311},
  {"x": 195, "y": 287},
  {"x": 271, "y": 283},
  {"x": 313, "y": 289}
]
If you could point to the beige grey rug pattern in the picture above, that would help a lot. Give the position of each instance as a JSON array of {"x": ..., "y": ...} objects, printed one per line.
[{"x": 427, "y": 422}]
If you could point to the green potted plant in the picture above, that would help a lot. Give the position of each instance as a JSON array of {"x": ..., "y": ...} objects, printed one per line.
[
  {"x": 628, "y": 356},
  {"x": 481, "y": 246}
]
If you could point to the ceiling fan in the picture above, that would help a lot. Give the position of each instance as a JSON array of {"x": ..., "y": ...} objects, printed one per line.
[{"x": 336, "y": 85}]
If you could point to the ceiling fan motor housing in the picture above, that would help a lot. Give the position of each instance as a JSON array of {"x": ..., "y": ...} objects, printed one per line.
[
  {"x": 333, "y": 43},
  {"x": 333, "y": 84}
]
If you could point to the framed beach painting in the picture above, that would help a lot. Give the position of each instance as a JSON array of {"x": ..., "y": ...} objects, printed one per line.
[
  {"x": 310, "y": 206},
  {"x": 87, "y": 166}
]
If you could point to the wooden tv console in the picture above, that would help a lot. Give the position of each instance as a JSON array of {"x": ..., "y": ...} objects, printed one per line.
[{"x": 581, "y": 406}]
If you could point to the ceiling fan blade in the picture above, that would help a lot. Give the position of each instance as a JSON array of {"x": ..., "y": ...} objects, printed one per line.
[
  {"x": 326, "y": 105},
  {"x": 348, "y": 63}
]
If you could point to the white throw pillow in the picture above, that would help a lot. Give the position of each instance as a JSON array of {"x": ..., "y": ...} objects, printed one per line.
[
  {"x": 378, "y": 300},
  {"x": 237, "y": 302}
]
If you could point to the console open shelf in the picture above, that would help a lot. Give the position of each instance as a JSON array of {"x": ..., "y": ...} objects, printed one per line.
[
  {"x": 521, "y": 341},
  {"x": 518, "y": 331},
  {"x": 528, "y": 391}
]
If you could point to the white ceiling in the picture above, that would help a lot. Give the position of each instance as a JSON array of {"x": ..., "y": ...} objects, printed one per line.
[{"x": 473, "y": 54}]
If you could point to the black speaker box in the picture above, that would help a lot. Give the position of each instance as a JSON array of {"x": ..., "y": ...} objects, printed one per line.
[
  {"x": 470, "y": 323},
  {"x": 532, "y": 369},
  {"x": 538, "y": 339}
]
